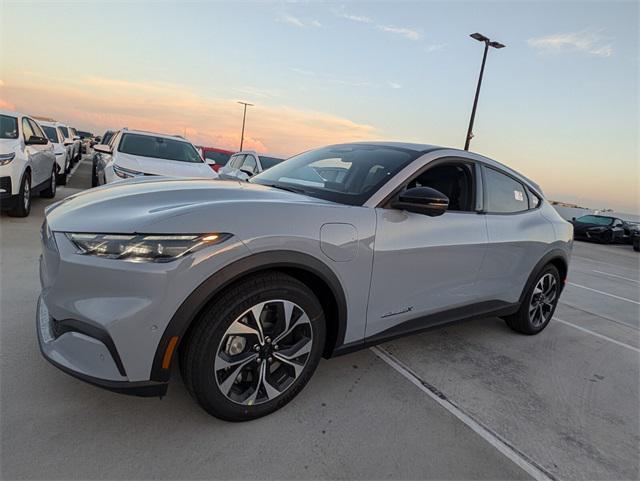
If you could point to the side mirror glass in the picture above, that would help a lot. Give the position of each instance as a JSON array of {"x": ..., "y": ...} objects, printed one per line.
[
  {"x": 422, "y": 200},
  {"x": 102, "y": 148}
]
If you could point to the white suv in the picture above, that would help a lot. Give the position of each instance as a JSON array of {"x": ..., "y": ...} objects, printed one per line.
[
  {"x": 133, "y": 153},
  {"x": 244, "y": 165},
  {"x": 27, "y": 163},
  {"x": 72, "y": 140},
  {"x": 60, "y": 149}
]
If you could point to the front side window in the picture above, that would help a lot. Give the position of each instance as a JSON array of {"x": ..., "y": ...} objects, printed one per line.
[
  {"x": 27, "y": 131},
  {"x": 73, "y": 132},
  {"x": 65, "y": 131},
  {"x": 249, "y": 164},
  {"x": 159, "y": 148},
  {"x": 51, "y": 133},
  {"x": 504, "y": 195},
  {"x": 36, "y": 128},
  {"x": 8, "y": 127},
  {"x": 236, "y": 161},
  {"x": 357, "y": 170},
  {"x": 455, "y": 180}
]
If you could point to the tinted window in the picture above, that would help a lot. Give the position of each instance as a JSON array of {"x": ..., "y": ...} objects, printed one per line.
[
  {"x": 159, "y": 148},
  {"x": 453, "y": 180},
  {"x": 73, "y": 132},
  {"x": 36, "y": 128},
  {"x": 218, "y": 157},
  {"x": 65, "y": 131},
  {"x": 51, "y": 133},
  {"x": 27, "y": 131},
  {"x": 504, "y": 194},
  {"x": 595, "y": 219},
  {"x": 249, "y": 164},
  {"x": 236, "y": 161},
  {"x": 107, "y": 137},
  {"x": 268, "y": 162},
  {"x": 8, "y": 127},
  {"x": 362, "y": 170}
]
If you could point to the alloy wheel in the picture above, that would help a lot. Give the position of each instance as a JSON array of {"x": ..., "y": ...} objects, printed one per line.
[
  {"x": 263, "y": 352},
  {"x": 543, "y": 300},
  {"x": 26, "y": 194}
]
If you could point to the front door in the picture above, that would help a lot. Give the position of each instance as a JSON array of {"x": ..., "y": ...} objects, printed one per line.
[{"x": 425, "y": 268}]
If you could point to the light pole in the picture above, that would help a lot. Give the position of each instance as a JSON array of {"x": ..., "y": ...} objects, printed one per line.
[
  {"x": 244, "y": 116},
  {"x": 487, "y": 43}
]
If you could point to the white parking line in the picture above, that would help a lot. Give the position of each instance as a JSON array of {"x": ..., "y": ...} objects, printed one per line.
[
  {"x": 603, "y": 293},
  {"x": 519, "y": 458},
  {"x": 615, "y": 275},
  {"x": 593, "y": 333}
]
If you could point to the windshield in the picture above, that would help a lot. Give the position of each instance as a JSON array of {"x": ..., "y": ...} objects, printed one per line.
[
  {"x": 218, "y": 157},
  {"x": 51, "y": 133},
  {"x": 8, "y": 127},
  {"x": 65, "y": 131},
  {"x": 348, "y": 174},
  {"x": 595, "y": 219},
  {"x": 159, "y": 148}
]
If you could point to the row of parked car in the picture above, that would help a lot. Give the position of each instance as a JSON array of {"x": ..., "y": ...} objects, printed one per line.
[
  {"x": 36, "y": 155},
  {"x": 129, "y": 153}
]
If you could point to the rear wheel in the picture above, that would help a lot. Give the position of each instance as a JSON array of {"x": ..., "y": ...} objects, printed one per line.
[
  {"x": 539, "y": 303},
  {"x": 50, "y": 191},
  {"x": 255, "y": 348},
  {"x": 23, "y": 200}
]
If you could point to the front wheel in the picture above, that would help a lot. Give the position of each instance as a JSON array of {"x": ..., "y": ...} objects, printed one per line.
[
  {"x": 255, "y": 348},
  {"x": 23, "y": 201},
  {"x": 50, "y": 191},
  {"x": 539, "y": 303}
]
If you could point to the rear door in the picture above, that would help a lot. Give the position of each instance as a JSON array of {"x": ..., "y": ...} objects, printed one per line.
[
  {"x": 519, "y": 235},
  {"x": 46, "y": 156},
  {"x": 425, "y": 268}
]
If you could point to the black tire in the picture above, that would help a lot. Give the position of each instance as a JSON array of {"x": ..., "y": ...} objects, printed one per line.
[
  {"x": 50, "y": 191},
  {"x": 61, "y": 177},
  {"x": 94, "y": 175},
  {"x": 636, "y": 245},
  {"x": 20, "y": 209},
  {"x": 200, "y": 350},
  {"x": 521, "y": 321}
]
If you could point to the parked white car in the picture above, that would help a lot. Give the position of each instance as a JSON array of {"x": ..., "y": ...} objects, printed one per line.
[
  {"x": 27, "y": 163},
  {"x": 244, "y": 165},
  {"x": 60, "y": 148},
  {"x": 134, "y": 153},
  {"x": 72, "y": 139}
]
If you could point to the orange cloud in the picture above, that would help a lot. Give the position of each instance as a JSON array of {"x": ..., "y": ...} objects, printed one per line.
[
  {"x": 97, "y": 103},
  {"x": 6, "y": 105}
]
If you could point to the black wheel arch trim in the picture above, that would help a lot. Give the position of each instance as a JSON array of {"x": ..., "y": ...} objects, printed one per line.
[
  {"x": 207, "y": 290},
  {"x": 548, "y": 258}
]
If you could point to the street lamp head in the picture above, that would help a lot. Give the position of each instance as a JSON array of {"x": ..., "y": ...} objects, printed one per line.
[
  {"x": 496, "y": 45},
  {"x": 245, "y": 103},
  {"x": 479, "y": 37}
]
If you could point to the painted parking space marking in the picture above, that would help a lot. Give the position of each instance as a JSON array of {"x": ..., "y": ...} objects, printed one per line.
[
  {"x": 617, "y": 276},
  {"x": 518, "y": 457},
  {"x": 596, "y": 334},
  {"x": 604, "y": 293}
]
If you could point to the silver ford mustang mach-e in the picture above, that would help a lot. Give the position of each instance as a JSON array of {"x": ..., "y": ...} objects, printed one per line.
[{"x": 248, "y": 284}]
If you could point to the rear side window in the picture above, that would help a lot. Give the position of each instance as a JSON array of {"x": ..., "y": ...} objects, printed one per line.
[
  {"x": 8, "y": 127},
  {"x": 504, "y": 195},
  {"x": 268, "y": 162},
  {"x": 36, "y": 128}
]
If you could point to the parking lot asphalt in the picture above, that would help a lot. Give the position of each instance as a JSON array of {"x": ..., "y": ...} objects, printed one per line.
[{"x": 438, "y": 405}]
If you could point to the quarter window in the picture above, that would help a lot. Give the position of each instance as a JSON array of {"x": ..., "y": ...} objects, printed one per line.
[
  {"x": 27, "y": 131},
  {"x": 36, "y": 128},
  {"x": 504, "y": 194}
]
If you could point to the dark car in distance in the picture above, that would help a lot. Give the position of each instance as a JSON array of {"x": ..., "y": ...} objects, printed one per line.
[{"x": 604, "y": 229}]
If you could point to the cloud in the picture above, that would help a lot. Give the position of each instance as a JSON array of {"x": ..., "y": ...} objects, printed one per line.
[
  {"x": 586, "y": 41},
  {"x": 5, "y": 104},
  {"x": 96, "y": 104},
  {"x": 394, "y": 85},
  {"x": 436, "y": 47},
  {"x": 297, "y": 22},
  {"x": 403, "y": 31},
  {"x": 354, "y": 18}
]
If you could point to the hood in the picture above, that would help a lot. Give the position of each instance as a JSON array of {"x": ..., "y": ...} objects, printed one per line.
[
  {"x": 131, "y": 205},
  {"x": 169, "y": 168},
  {"x": 9, "y": 145}
]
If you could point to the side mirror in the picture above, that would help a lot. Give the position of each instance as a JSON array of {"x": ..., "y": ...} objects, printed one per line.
[
  {"x": 102, "y": 148},
  {"x": 36, "y": 140},
  {"x": 422, "y": 200},
  {"x": 573, "y": 219},
  {"x": 209, "y": 161},
  {"x": 76, "y": 137}
]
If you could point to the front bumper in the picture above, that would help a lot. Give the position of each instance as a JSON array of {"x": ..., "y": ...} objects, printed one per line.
[{"x": 87, "y": 358}]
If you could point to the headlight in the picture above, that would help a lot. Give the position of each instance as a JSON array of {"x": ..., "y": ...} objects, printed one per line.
[
  {"x": 6, "y": 158},
  {"x": 125, "y": 173},
  {"x": 141, "y": 247}
]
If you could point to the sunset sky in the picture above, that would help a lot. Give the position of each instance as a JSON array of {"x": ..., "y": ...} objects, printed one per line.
[{"x": 560, "y": 103}]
